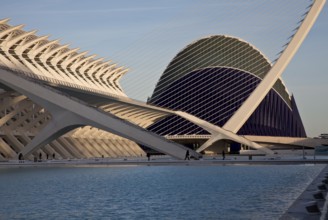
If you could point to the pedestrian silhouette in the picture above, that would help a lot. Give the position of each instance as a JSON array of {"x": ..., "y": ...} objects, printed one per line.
[
  {"x": 223, "y": 155},
  {"x": 187, "y": 155},
  {"x": 20, "y": 157}
]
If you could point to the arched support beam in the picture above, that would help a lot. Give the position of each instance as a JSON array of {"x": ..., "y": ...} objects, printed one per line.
[
  {"x": 57, "y": 103},
  {"x": 61, "y": 123},
  {"x": 210, "y": 142},
  {"x": 220, "y": 133}
]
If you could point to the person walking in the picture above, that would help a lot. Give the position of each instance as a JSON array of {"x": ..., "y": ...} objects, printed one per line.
[
  {"x": 223, "y": 155},
  {"x": 187, "y": 155},
  {"x": 20, "y": 158}
]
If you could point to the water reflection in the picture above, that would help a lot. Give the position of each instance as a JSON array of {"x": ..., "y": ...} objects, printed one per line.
[{"x": 152, "y": 192}]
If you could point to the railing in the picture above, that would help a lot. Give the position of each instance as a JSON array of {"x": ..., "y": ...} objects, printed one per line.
[{"x": 188, "y": 136}]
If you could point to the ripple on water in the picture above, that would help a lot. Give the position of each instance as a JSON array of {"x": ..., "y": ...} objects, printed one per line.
[{"x": 152, "y": 192}]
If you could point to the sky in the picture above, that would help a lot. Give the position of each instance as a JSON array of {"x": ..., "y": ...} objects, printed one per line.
[{"x": 145, "y": 35}]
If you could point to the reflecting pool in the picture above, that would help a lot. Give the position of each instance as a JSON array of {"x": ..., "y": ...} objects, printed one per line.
[{"x": 152, "y": 192}]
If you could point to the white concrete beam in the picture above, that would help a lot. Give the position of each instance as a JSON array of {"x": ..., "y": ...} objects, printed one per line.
[
  {"x": 220, "y": 133},
  {"x": 254, "y": 100},
  {"x": 82, "y": 114}
]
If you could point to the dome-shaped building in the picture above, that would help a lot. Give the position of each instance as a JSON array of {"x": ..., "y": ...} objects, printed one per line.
[{"x": 211, "y": 78}]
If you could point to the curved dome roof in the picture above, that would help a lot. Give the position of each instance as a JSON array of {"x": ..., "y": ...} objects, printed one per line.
[
  {"x": 216, "y": 104},
  {"x": 220, "y": 51}
]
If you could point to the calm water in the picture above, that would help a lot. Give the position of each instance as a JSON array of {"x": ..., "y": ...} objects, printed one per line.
[{"x": 152, "y": 192}]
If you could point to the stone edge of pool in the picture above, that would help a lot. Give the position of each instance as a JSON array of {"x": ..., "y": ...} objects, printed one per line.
[
  {"x": 312, "y": 203},
  {"x": 162, "y": 162}
]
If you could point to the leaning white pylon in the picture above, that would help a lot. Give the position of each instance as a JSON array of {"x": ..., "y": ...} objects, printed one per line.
[{"x": 253, "y": 101}]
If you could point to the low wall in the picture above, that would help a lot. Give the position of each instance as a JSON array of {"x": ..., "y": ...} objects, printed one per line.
[{"x": 312, "y": 203}]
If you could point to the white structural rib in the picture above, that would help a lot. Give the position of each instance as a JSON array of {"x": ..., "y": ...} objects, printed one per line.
[
  {"x": 68, "y": 114},
  {"x": 253, "y": 101},
  {"x": 51, "y": 62}
]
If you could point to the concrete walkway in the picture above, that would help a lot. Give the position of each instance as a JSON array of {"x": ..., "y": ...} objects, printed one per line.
[{"x": 165, "y": 160}]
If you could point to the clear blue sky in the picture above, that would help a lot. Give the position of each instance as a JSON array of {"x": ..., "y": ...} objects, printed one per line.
[{"x": 144, "y": 35}]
